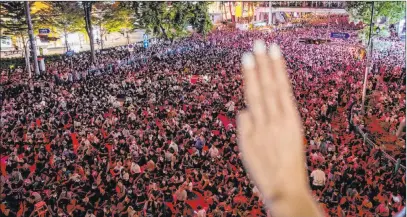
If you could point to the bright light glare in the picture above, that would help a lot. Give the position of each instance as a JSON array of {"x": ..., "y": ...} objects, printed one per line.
[{"x": 401, "y": 25}]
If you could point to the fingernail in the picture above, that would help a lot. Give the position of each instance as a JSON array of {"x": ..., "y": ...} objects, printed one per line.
[
  {"x": 275, "y": 52},
  {"x": 248, "y": 61},
  {"x": 259, "y": 47}
]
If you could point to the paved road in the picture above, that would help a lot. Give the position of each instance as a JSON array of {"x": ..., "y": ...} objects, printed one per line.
[{"x": 113, "y": 40}]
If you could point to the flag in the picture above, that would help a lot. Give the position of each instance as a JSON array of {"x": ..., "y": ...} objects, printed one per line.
[
  {"x": 194, "y": 79},
  {"x": 225, "y": 120},
  {"x": 48, "y": 148},
  {"x": 75, "y": 142},
  {"x": 104, "y": 133},
  {"x": 3, "y": 165},
  {"x": 38, "y": 121}
]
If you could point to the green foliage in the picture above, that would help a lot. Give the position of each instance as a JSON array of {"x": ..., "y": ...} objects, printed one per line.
[
  {"x": 163, "y": 19},
  {"x": 13, "y": 21},
  {"x": 116, "y": 19},
  {"x": 67, "y": 17},
  {"x": 169, "y": 20},
  {"x": 87, "y": 9},
  {"x": 60, "y": 17},
  {"x": 392, "y": 12},
  {"x": 201, "y": 20}
]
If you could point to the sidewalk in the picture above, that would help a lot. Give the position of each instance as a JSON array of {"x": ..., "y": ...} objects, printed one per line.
[{"x": 113, "y": 41}]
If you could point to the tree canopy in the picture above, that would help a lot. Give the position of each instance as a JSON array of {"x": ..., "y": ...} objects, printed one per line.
[
  {"x": 201, "y": 19},
  {"x": 170, "y": 20},
  {"x": 13, "y": 19},
  {"x": 67, "y": 16},
  {"x": 113, "y": 18},
  {"x": 387, "y": 12}
]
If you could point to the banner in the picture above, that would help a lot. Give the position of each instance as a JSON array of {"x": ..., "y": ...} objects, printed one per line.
[
  {"x": 341, "y": 35},
  {"x": 242, "y": 26},
  {"x": 238, "y": 10}
]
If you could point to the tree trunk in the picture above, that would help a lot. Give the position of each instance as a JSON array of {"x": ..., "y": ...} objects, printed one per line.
[
  {"x": 32, "y": 38},
  {"x": 224, "y": 11},
  {"x": 240, "y": 18},
  {"x": 101, "y": 37},
  {"x": 66, "y": 39},
  {"x": 164, "y": 32},
  {"x": 87, "y": 7},
  {"x": 26, "y": 56},
  {"x": 23, "y": 42},
  {"x": 222, "y": 6},
  {"x": 230, "y": 11},
  {"x": 252, "y": 12}
]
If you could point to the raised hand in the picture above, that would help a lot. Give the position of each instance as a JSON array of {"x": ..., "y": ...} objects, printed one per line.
[{"x": 270, "y": 137}]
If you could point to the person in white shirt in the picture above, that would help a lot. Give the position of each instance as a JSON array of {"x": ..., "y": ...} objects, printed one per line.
[
  {"x": 230, "y": 106},
  {"x": 132, "y": 116},
  {"x": 168, "y": 154},
  {"x": 135, "y": 168},
  {"x": 319, "y": 179},
  {"x": 174, "y": 146},
  {"x": 201, "y": 212},
  {"x": 213, "y": 152}
]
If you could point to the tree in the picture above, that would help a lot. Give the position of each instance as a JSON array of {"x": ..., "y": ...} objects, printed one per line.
[
  {"x": 169, "y": 20},
  {"x": 13, "y": 20},
  {"x": 230, "y": 11},
  {"x": 87, "y": 8},
  {"x": 16, "y": 20},
  {"x": 161, "y": 19},
  {"x": 392, "y": 12},
  {"x": 32, "y": 37},
  {"x": 112, "y": 18},
  {"x": 67, "y": 18},
  {"x": 223, "y": 9},
  {"x": 243, "y": 4},
  {"x": 201, "y": 20}
]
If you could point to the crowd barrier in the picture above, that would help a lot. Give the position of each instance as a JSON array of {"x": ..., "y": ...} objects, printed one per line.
[{"x": 369, "y": 141}]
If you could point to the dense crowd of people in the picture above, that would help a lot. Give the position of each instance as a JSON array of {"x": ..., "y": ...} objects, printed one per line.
[
  {"x": 153, "y": 133},
  {"x": 334, "y": 21},
  {"x": 385, "y": 104}
]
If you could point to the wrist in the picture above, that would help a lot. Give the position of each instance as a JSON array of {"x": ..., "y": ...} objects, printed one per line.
[{"x": 296, "y": 201}]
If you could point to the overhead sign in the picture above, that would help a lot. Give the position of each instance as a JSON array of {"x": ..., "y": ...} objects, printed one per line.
[
  {"x": 340, "y": 35},
  {"x": 44, "y": 31},
  {"x": 69, "y": 53}
]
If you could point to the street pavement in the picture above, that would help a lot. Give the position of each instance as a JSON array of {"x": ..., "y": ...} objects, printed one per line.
[{"x": 113, "y": 40}]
